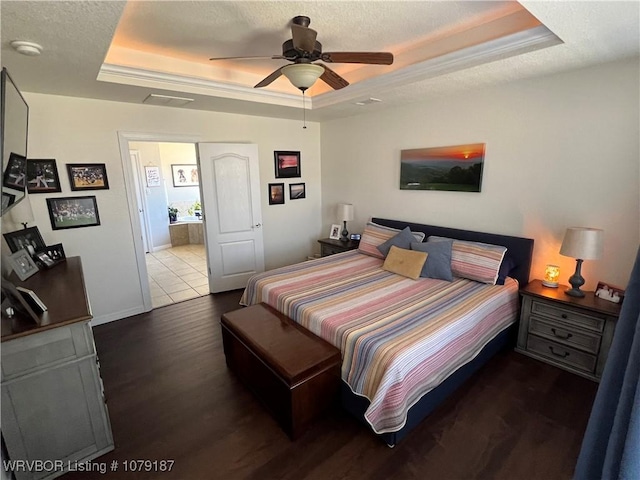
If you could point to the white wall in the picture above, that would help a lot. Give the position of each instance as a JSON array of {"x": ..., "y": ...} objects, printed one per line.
[
  {"x": 179, "y": 154},
  {"x": 74, "y": 130},
  {"x": 561, "y": 151}
]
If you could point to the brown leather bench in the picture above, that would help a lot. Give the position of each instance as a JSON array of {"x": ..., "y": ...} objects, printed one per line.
[{"x": 295, "y": 373}]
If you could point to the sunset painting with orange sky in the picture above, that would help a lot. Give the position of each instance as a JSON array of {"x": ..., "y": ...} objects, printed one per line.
[{"x": 454, "y": 168}]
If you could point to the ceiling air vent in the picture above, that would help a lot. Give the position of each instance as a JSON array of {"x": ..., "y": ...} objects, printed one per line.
[
  {"x": 368, "y": 101},
  {"x": 166, "y": 100}
]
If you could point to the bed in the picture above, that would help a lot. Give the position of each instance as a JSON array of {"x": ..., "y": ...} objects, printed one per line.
[{"x": 406, "y": 343}]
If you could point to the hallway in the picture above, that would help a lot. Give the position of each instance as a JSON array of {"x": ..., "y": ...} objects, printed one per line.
[{"x": 177, "y": 274}]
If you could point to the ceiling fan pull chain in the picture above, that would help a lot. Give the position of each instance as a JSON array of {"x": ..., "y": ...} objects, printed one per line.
[{"x": 304, "y": 113}]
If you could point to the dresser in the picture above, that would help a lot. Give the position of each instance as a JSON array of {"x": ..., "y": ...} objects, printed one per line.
[
  {"x": 571, "y": 333},
  {"x": 53, "y": 404},
  {"x": 329, "y": 246}
]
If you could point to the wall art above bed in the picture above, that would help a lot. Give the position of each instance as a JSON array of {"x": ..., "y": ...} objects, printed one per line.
[{"x": 455, "y": 168}]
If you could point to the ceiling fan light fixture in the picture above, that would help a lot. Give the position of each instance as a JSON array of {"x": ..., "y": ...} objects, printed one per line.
[{"x": 302, "y": 75}]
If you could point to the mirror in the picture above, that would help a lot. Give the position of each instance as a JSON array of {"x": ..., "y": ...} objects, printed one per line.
[{"x": 14, "y": 120}]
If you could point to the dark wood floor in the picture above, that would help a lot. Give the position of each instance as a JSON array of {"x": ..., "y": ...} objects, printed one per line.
[{"x": 170, "y": 396}]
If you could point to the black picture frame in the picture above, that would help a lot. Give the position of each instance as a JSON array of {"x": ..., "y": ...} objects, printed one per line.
[
  {"x": 297, "y": 191},
  {"x": 287, "y": 164},
  {"x": 7, "y": 200},
  {"x": 88, "y": 176},
  {"x": 50, "y": 256},
  {"x": 15, "y": 174},
  {"x": 42, "y": 176},
  {"x": 276, "y": 194},
  {"x": 73, "y": 212},
  {"x": 17, "y": 301},
  {"x": 29, "y": 238}
]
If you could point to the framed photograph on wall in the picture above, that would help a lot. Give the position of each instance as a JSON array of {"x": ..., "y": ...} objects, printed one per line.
[
  {"x": 15, "y": 174},
  {"x": 287, "y": 164},
  {"x": 88, "y": 176},
  {"x": 296, "y": 191},
  {"x": 73, "y": 212},
  {"x": 42, "y": 176},
  {"x": 276, "y": 194},
  {"x": 28, "y": 238},
  {"x": 185, "y": 175}
]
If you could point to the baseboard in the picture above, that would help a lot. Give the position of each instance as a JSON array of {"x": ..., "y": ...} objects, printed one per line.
[
  {"x": 112, "y": 317},
  {"x": 161, "y": 247}
]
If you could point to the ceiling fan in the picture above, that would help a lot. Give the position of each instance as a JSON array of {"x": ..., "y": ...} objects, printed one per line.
[{"x": 303, "y": 50}]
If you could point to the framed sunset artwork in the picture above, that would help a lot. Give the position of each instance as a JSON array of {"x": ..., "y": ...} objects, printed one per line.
[
  {"x": 455, "y": 168},
  {"x": 287, "y": 164}
]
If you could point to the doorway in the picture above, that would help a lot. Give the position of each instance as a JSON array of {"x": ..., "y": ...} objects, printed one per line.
[{"x": 223, "y": 240}]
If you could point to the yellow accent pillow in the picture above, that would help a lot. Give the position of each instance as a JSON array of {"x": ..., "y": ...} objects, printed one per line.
[{"x": 407, "y": 263}]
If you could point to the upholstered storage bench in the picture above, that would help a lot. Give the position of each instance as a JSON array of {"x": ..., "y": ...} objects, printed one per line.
[{"x": 293, "y": 372}]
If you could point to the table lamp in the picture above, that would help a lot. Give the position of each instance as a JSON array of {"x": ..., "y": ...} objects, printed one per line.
[
  {"x": 345, "y": 214},
  {"x": 581, "y": 243},
  {"x": 22, "y": 212}
]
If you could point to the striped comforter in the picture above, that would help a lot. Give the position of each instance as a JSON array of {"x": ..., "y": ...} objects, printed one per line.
[{"x": 399, "y": 338}]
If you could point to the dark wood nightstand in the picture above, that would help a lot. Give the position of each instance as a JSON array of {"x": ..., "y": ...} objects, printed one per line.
[
  {"x": 571, "y": 333},
  {"x": 328, "y": 246}
]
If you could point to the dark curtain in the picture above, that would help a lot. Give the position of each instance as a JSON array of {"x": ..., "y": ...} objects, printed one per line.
[{"x": 611, "y": 446}]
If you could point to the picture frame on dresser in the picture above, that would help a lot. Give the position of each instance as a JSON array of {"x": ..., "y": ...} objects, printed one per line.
[
  {"x": 22, "y": 264},
  {"x": 17, "y": 302},
  {"x": 29, "y": 238}
]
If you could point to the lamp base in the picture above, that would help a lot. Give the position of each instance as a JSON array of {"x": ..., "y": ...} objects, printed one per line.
[
  {"x": 576, "y": 281},
  {"x": 574, "y": 292},
  {"x": 345, "y": 234}
]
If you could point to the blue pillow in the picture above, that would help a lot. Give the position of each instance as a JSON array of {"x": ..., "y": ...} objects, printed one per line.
[
  {"x": 505, "y": 269},
  {"x": 401, "y": 240},
  {"x": 438, "y": 264}
]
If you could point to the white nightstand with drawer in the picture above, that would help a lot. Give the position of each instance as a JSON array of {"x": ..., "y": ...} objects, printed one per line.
[{"x": 571, "y": 333}]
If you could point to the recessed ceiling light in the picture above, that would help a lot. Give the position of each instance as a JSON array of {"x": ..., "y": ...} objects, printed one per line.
[{"x": 27, "y": 48}]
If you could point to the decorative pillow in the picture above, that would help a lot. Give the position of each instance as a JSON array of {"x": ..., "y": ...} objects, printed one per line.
[
  {"x": 375, "y": 235},
  {"x": 438, "y": 264},
  {"x": 407, "y": 263},
  {"x": 475, "y": 260},
  {"x": 400, "y": 240}
]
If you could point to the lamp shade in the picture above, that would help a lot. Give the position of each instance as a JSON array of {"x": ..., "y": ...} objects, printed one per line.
[
  {"x": 582, "y": 243},
  {"x": 302, "y": 75},
  {"x": 22, "y": 212},
  {"x": 345, "y": 212}
]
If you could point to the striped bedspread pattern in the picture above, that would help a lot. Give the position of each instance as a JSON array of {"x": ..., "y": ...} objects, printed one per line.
[{"x": 399, "y": 338}]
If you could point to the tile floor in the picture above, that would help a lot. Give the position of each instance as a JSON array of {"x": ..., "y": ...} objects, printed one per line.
[{"x": 177, "y": 274}]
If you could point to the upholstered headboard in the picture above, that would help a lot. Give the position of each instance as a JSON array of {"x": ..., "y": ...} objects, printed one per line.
[{"x": 519, "y": 250}]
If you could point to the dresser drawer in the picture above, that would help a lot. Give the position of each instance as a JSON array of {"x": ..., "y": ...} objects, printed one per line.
[
  {"x": 583, "y": 320},
  {"x": 330, "y": 250},
  {"x": 32, "y": 353},
  {"x": 565, "y": 334},
  {"x": 562, "y": 354}
]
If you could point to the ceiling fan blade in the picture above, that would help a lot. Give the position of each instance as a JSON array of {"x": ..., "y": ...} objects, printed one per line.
[
  {"x": 304, "y": 38},
  {"x": 374, "y": 58},
  {"x": 332, "y": 79},
  {"x": 270, "y": 78},
  {"x": 272, "y": 57}
]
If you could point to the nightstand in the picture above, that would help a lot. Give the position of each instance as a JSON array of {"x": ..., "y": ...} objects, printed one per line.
[
  {"x": 328, "y": 246},
  {"x": 571, "y": 333}
]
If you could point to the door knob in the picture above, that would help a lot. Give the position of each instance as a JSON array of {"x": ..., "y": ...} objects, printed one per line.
[{"x": 258, "y": 225}]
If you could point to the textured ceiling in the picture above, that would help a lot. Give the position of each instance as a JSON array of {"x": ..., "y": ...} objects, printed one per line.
[{"x": 125, "y": 51}]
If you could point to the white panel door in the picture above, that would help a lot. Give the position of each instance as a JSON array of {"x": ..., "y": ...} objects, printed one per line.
[{"x": 230, "y": 185}]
